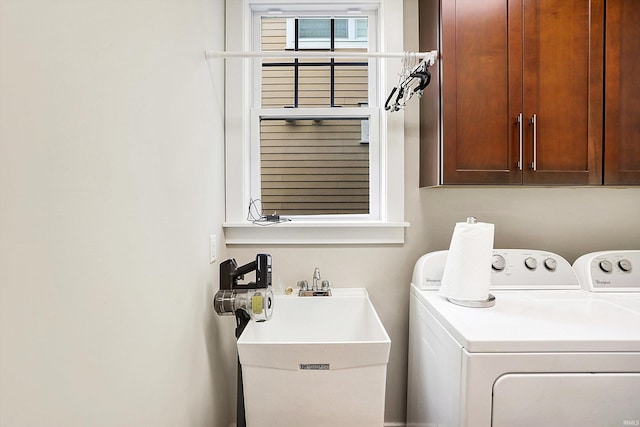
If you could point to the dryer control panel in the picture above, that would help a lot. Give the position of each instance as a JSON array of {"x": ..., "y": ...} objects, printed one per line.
[{"x": 609, "y": 271}]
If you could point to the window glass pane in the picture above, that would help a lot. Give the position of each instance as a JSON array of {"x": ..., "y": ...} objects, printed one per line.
[
  {"x": 341, "y": 28},
  {"x": 273, "y": 33},
  {"x": 314, "y": 28},
  {"x": 277, "y": 83},
  {"x": 314, "y": 85},
  {"x": 320, "y": 28},
  {"x": 314, "y": 167},
  {"x": 362, "y": 28},
  {"x": 351, "y": 83}
]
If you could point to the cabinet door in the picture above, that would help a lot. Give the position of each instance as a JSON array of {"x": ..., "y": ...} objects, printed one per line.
[
  {"x": 563, "y": 102},
  {"x": 622, "y": 92},
  {"x": 481, "y": 91}
]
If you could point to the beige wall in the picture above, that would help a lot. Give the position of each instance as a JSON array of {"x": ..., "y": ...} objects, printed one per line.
[
  {"x": 111, "y": 180},
  {"x": 569, "y": 221}
]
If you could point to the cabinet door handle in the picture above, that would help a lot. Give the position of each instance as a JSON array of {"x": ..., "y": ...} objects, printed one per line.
[
  {"x": 520, "y": 135},
  {"x": 534, "y": 122}
]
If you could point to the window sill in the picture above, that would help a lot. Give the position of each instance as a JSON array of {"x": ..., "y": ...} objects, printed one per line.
[{"x": 315, "y": 233}]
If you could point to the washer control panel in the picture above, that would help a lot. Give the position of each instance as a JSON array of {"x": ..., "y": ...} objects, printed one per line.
[
  {"x": 510, "y": 269},
  {"x": 609, "y": 271},
  {"x": 531, "y": 269}
]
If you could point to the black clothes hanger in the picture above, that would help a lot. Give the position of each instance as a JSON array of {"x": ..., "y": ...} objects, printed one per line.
[{"x": 409, "y": 84}]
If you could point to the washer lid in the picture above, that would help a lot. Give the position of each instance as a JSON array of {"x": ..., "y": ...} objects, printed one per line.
[{"x": 539, "y": 321}]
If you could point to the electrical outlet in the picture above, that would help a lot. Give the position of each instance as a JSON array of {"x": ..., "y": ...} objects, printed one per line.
[{"x": 212, "y": 248}]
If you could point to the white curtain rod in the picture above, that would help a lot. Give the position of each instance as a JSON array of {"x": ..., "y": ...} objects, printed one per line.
[{"x": 429, "y": 56}]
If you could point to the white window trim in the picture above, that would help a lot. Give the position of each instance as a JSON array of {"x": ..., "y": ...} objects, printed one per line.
[{"x": 388, "y": 225}]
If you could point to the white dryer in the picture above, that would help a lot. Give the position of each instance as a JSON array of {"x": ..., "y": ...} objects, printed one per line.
[{"x": 549, "y": 353}]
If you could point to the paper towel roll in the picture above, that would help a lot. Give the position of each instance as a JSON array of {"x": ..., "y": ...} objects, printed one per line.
[{"x": 467, "y": 271}]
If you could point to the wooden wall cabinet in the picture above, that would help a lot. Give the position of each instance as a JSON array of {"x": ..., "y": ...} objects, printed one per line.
[
  {"x": 521, "y": 92},
  {"x": 622, "y": 93}
]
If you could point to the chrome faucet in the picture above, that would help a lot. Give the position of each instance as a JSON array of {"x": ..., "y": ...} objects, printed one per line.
[
  {"x": 316, "y": 277},
  {"x": 322, "y": 290}
]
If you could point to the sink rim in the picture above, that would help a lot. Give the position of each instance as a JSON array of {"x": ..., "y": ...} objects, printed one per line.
[{"x": 309, "y": 332}]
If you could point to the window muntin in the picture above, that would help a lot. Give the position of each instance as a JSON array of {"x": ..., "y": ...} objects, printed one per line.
[
  {"x": 313, "y": 83},
  {"x": 308, "y": 82}
]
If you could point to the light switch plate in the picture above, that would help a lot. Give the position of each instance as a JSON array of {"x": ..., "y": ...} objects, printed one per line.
[{"x": 212, "y": 248}]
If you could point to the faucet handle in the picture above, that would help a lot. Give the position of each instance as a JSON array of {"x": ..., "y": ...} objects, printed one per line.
[
  {"x": 303, "y": 285},
  {"x": 326, "y": 285}
]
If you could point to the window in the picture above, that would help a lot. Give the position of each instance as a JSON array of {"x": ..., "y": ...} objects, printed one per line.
[
  {"x": 306, "y": 135},
  {"x": 313, "y": 162}
]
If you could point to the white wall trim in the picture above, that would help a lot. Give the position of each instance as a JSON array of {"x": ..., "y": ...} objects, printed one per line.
[{"x": 316, "y": 233}]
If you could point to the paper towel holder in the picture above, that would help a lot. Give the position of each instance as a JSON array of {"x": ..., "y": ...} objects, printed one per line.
[{"x": 489, "y": 302}]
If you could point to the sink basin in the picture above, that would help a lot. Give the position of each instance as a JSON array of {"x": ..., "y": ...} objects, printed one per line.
[
  {"x": 342, "y": 330},
  {"x": 319, "y": 361}
]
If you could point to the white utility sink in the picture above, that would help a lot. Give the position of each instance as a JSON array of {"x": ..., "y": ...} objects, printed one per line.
[{"x": 319, "y": 361}]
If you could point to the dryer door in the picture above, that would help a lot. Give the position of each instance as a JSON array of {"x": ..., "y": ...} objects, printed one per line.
[{"x": 561, "y": 400}]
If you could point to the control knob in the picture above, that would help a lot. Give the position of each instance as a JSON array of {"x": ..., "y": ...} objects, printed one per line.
[
  {"x": 531, "y": 263},
  {"x": 498, "y": 262},
  {"x": 606, "y": 266},
  {"x": 550, "y": 264},
  {"x": 625, "y": 265}
]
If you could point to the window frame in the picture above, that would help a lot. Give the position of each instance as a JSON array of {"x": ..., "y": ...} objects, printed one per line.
[{"x": 385, "y": 222}]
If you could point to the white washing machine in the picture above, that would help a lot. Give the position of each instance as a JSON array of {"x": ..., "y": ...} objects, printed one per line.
[{"x": 549, "y": 353}]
